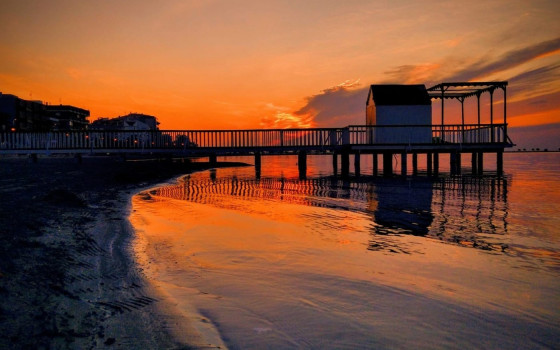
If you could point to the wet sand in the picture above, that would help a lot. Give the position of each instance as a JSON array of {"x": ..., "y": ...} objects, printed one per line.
[{"x": 67, "y": 277}]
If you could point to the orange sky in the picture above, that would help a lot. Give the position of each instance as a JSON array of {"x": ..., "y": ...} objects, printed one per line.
[{"x": 250, "y": 64}]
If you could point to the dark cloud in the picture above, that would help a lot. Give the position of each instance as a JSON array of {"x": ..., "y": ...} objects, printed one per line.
[
  {"x": 411, "y": 74},
  {"x": 345, "y": 104},
  {"x": 509, "y": 60},
  {"x": 336, "y": 107},
  {"x": 535, "y": 79}
]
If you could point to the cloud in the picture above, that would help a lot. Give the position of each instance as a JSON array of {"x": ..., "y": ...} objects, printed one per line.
[
  {"x": 336, "y": 106},
  {"x": 413, "y": 74},
  {"x": 510, "y": 59},
  {"x": 536, "y": 82},
  {"x": 456, "y": 69},
  {"x": 282, "y": 120},
  {"x": 344, "y": 104}
]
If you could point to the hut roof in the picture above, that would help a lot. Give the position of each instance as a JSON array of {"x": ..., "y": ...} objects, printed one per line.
[{"x": 398, "y": 95}]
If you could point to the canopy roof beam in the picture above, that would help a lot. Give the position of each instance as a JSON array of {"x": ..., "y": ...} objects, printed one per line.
[{"x": 463, "y": 90}]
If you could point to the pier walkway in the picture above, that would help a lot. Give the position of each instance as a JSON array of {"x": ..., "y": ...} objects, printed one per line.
[{"x": 474, "y": 139}]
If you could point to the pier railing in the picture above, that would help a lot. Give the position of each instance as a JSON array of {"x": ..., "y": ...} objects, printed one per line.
[
  {"x": 282, "y": 139},
  {"x": 428, "y": 134}
]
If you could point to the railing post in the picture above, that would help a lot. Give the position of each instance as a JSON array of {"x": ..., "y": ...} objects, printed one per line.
[{"x": 345, "y": 136}]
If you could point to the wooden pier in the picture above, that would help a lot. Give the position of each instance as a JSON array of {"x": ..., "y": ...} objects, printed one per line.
[{"x": 459, "y": 141}]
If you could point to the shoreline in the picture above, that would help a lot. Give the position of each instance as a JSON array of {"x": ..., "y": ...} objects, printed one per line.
[{"x": 68, "y": 278}]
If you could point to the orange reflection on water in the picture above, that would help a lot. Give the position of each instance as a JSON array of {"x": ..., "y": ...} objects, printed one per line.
[
  {"x": 234, "y": 230},
  {"x": 250, "y": 249}
]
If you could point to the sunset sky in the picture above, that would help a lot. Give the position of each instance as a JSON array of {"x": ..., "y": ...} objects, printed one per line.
[{"x": 255, "y": 64}]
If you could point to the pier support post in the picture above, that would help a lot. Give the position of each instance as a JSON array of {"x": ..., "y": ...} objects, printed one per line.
[
  {"x": 345, "y": 163},
  {"x": 375, "y": 164},
  {"x": 455, "y": 163},
  {"x": 258, "y": 164},
  {"x": 404, "y": 160},
  {"x": 357, "y": 163},
  {"x": 473, "y": 163},
  {"x": 414, "y": 164},
  {"x": 335, "y": 163},
  {"x": 436, "y": 164},
  {"x": 302, "y": 164},
  {"x": 480, "y": 161},
  {"x": 213, "y": 159},
  {"x": 500, "y": 163},
  {"x": 387, "y": 163},
  {"x": 429, "y": 164}
]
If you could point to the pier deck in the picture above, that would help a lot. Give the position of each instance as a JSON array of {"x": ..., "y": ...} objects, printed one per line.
[{"x": 476, "y": 139}]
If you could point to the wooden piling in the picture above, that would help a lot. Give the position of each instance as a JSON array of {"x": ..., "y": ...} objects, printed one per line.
[
  {"x": 414, "y": 164},
  {"x": 213, "y": 159},
  {"x": 357, "y": 163},
  {"x": 436, "y": 164},
  {"x": 302, "y": 164},
  {"x": 480, "y": 161},
  {"x": 500, "y": 163},
  {"x": 453, "y": 162},
  {"x": 345, "y": 163},
  {"x": 258, "y": 164},
  {"x": 375, "y": 164},
  {"x": 387, "y": 164},
  {"x": 404, "y": 164},
  {"x": 429, "y": 165}
]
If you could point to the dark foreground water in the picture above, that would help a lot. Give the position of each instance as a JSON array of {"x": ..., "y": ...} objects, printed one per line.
[{"x": 366, "y": 262}]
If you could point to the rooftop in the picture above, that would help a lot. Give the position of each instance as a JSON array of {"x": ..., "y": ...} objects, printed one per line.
[{"x": 398, "y": 95}]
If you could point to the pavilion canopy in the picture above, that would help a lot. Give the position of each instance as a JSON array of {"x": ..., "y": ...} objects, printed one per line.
[{"x": 462, "y": 90}]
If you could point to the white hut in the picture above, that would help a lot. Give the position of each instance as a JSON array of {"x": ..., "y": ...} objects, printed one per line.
[{"x": 399, "y": 106}]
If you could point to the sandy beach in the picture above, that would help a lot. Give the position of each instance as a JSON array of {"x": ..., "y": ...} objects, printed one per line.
[{"x": 67, "y": 278}]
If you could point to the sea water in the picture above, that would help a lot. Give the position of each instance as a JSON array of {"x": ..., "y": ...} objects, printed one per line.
[{"x": 279, "y": 261}]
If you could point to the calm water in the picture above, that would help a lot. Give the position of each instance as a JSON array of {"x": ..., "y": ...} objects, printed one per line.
[{"x": 279, "y": 262}]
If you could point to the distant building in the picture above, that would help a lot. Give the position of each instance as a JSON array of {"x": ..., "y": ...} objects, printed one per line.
[
  {"x": 398, "y": 105},
  {"x": 68, "y": 117},
  {"x": 17, "y": 114},
  {"x": 132, "y": 121}
]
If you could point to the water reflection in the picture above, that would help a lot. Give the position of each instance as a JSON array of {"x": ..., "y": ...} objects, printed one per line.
[{"x": 468, "y": 211}]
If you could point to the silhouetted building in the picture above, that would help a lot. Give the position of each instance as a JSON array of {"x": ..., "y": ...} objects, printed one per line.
[
  {"x": 17, "y": 114},
  {"x": 68, "y": 117},
  {"x": 132, "y": 121},
  {"x": 399, "y": 105}
]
